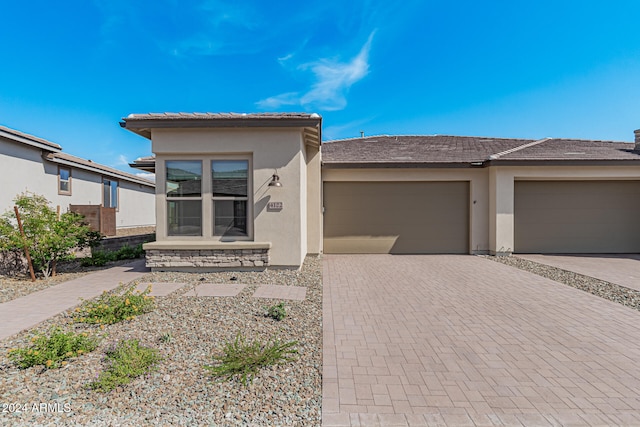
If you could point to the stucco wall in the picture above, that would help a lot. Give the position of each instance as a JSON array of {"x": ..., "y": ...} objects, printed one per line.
[
  {"x": 491, "y": 192},
  {"x": 502, "y": 178},
  {"x": 137, "y": 205},
  {"x": 29, "y": 172},
  {"x": 269, "y": 150}
]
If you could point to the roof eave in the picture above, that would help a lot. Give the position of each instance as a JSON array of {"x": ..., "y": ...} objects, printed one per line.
[
  {"x": 563, "y": 162},
  {"x": 144, "y": 166},
  {"x": 400, "y": 165},
  {"x": 127, "y": 177},
  {"x": 23, "y": 138},
  {"x": 143, "y": 126}
]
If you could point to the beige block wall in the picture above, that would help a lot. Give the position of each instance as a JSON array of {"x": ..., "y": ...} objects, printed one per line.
[
  {"x": 268, "y": 149},
  {"x": 478, "y": 192}
]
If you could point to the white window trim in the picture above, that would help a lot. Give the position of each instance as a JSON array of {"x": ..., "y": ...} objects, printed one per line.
[{"x": 60, "y": 180}]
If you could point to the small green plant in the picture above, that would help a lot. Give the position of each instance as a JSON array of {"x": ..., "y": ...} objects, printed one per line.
[
  {"x": 126, "y": 361},
  {"x": 166, "y": 337},
  {"x": 54, "y": 350},
  {"x": 277, "y": 311},
  {"x": 108, "y": 309},
  {"x": 244, "y": 359}
]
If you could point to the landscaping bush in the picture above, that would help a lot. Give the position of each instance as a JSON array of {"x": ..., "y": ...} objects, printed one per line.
[
  {"x": 52, "y": 351},
  {"x": 100, "y": 258},
  {"x": 108, "y": 308},
  {"x": 49, "y": 237},
  {"x": 244, "y": 359},
  {"x": 97, "y": 259},
  {"x": 126, "y": 361}
]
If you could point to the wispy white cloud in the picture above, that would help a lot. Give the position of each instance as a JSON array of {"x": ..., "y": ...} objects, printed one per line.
[
  {"x": 333, "y": 79},
  {"x": 122, "y": 160},
  {"x": 147, "y": 175}
]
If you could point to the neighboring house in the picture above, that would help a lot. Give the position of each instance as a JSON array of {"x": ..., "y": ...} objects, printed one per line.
[
  {"x": 39, "y": 166},
  {"x": 219, "y": 205}
]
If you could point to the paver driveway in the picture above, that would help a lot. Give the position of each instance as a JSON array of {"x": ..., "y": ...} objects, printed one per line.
[{"x": 462, "y": 340}]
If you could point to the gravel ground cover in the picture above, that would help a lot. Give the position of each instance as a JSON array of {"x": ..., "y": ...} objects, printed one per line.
[
  {"x": 181, "y": 391},
  {"x": 611, "y": 291}
]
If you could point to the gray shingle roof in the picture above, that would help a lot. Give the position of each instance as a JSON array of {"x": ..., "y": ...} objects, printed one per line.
[
  {"x": 143, "y": 123},
  {"x": 576, "y": 149},
  {"x": 416, "y": 151},
  {"x": 220, "y": 116},
  {"x": 97, "y": 167},
  {"x": 26, "y": 138}
]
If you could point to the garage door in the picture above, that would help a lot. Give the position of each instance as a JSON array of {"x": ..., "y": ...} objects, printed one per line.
[
  {"x": 577, "y": 217},
  {"x": 396, "y": 217}
]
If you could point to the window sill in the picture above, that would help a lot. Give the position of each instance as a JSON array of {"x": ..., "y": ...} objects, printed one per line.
[{"x": 198, "y": 245}]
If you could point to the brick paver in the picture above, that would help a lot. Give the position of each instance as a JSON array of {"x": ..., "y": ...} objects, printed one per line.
[
  {"x": 26, "y": 312},
  {"x": 623, "y": 269},
  {"x": 460, "y": 340},
  {"x": 296, "y": 293}
]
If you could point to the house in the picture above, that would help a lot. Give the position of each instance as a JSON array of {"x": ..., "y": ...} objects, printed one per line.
[
  {"x": 39, "y": 166},
  {"x": 251, "y": 190}
]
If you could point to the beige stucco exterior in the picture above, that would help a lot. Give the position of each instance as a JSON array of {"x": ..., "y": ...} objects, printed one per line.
[
  {"x": 491, "y": 192},
  {"x": 31, "y": 172},
  {"x": 480, "y": 196},
  {"x": 292, "y": 231},
  {"x": 502, "y": 179}
]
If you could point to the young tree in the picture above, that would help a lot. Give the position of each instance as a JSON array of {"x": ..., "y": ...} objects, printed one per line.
[{"x": 48, "y": 237}]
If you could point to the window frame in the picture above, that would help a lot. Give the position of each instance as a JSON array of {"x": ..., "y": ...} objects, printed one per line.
[
  {"x": 208, "y": 228},
  {"x": 60, "y": 181},
  {"x": 247, "y": 199},
  {"x": 178, "y": 198},
  {"x": 117, "y": 206}
]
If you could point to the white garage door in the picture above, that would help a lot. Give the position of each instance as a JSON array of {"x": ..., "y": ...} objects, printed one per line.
[
  {"x": 396, "y": 217},
  {"x": 577, "y": 217}
]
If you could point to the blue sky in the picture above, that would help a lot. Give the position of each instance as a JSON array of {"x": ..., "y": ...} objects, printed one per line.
[{"x": 565, "y": 68}]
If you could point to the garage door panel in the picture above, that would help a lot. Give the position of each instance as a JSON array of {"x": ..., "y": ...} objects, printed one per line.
[
  {"x": 577, "y": 217},
  {"x": 396, "y": 217}
]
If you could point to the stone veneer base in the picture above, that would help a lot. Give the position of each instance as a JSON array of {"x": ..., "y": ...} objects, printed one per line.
[{"x": 161, "y": 259}]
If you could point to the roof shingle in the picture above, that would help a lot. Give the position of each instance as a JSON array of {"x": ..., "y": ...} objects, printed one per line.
[{"x": 414, "y": 150}]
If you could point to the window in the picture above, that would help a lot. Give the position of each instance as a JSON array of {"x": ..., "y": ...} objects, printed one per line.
[
  {"x": 64, "y": 181},
  {"x": 184, "y": 197},
  {"x": 229, "y": 185},
  {"x": 109, "y": 193}
]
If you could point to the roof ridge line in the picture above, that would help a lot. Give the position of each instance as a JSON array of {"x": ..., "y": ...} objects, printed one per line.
[{"x": 518, "y": 148}]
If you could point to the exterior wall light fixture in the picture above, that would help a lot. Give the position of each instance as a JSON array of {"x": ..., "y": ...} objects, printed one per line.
[{"x": 275, "y": 180}]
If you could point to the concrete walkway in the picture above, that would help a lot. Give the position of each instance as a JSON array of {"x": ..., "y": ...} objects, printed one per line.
[
  {"x": 464, "y": 341},
  {"x": 26, "y": 312},
  {"x": 623, "y": 269}
]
